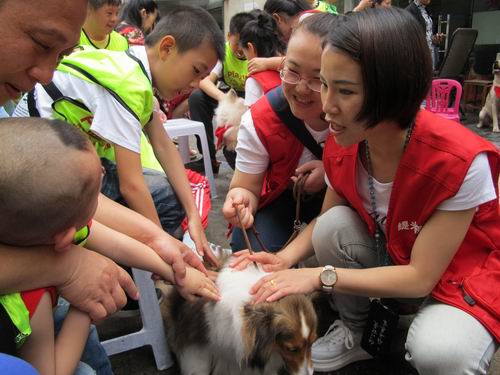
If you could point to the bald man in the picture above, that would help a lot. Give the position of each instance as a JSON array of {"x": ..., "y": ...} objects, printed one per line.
[{"x": 36, "y": 34}]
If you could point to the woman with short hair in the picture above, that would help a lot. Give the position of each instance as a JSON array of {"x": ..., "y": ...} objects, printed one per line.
[{"x": 411, "y": 209}]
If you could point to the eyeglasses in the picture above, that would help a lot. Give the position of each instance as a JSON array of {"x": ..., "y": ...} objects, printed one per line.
[{"x": 293, "y": 78}]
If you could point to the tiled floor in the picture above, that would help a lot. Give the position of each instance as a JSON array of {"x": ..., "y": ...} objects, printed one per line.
[{"x": 141, "y": 362}]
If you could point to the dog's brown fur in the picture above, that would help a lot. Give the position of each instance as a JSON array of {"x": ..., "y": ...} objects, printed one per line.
[{"x": 273, "y": 335}]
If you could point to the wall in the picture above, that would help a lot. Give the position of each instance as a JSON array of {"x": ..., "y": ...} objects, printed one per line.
[{"x": 232, "y": 7}]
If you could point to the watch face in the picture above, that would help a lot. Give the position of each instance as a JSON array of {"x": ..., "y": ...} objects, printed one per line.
[{"x": 328, "y": 277}]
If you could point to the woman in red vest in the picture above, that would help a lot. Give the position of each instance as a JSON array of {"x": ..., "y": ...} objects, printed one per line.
[
  {"x": 270, "y": 156},
  {"x": 411, "y": 210}
]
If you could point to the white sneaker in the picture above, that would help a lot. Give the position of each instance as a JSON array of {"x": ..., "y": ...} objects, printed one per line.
[
  {"x": 219, "y": 251},
  {"x": 337, "y": 348}
]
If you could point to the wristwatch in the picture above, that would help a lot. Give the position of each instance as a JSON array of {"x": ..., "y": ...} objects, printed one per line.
[{"x": 328, "y": 278}]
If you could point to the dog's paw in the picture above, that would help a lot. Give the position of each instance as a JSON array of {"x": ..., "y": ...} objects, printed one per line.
[
  {"x": 479, "y": 125},
  {"x": 496, "y": 130}
]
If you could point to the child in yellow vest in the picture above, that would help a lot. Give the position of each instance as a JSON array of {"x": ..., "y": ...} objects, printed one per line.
[
  {"x": 118, "y": 100},
  {"x": 98, "y": 29},
  {"x": 59, "y": 174},
  {"x": 230, "y": 72}
]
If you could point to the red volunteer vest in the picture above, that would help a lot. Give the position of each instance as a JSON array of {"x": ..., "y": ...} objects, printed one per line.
[
  {"x": 268, "y": 79},
  {"x": 283, "y": 147},
  {"x": 432, "y": 170}
]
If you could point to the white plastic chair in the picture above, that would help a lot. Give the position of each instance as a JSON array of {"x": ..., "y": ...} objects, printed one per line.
[
  {"x": 182, "y": 128},
  {"x": 152, "y": 332}
]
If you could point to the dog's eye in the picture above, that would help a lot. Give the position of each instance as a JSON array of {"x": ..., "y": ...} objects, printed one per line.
[{"x": 292, "y": 349}]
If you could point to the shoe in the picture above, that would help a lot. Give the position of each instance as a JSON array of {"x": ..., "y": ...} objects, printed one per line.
[
  {"x": 337, "y": 348},
  {"x": 198, "y": 166},
  {"x": 219, "y": 251},
  {"x": 193, "y": 155}
]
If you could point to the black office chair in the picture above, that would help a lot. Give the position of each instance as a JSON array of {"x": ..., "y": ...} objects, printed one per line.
[{"x": 457, "y": 55}]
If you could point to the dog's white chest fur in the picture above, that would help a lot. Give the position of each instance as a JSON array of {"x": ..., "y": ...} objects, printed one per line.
[{"x": 234, "y": 287}]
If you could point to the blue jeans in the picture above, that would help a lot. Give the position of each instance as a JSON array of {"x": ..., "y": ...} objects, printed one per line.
[
  {"x": 94, "y": 358},
  {"x": 167, "y": 204},
  {"x": 274, "y": 223}
]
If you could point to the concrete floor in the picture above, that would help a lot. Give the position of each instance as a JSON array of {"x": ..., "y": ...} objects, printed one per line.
[{"x": 141, "y": 361}]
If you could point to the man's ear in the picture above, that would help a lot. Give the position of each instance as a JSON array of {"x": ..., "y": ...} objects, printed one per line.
[
  {"x": 167, "y": 45},
  {"x": 277, "y": 17},
  {"x": 63, "y": 240}
]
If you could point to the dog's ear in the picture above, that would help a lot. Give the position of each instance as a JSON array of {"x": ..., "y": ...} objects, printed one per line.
[{"x": 262, "y": 329}]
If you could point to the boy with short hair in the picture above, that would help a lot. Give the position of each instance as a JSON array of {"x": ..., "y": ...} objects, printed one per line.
[
  {"x": 51, "y": 177},
  {"x": 109, "y": 95},
  {"x": 230, "y": 72},
  {"x": 98, "y": 29}
]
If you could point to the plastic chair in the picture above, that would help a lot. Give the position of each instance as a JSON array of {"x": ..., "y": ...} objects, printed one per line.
[
  {"x": 439, "y": 98},
  {"x": 182, "y": 128},
  {"x": 152, "y": 332}
]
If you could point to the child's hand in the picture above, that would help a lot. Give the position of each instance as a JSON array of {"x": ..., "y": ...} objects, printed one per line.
[
  {"x": 176, "y": 254},
  {"x": 257, "y": 64},
  {"x": 212, "y": 275},
  {"x": 197, "y": 234},
  {"x": 196, "y": 284}
]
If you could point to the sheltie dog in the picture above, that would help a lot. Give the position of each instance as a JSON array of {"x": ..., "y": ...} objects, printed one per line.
[{"x": 234, "y": 336}]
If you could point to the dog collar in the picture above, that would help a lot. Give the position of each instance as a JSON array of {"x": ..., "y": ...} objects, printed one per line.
[{"x": 497, "y": 91}]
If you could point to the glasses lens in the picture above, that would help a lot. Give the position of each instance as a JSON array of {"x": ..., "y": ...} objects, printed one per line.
[
  {"x": 290, "y": 77},
  {"x": 315, "y": 85}
]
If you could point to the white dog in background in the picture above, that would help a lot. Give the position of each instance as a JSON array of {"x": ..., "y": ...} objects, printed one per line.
[
  {"x": 228, "y": 117},
  {"x": 233, "y": 336},
  {"x": 491, "y": 109}
]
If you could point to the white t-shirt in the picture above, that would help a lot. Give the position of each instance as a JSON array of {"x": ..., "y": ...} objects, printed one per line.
[
  {"x": 111, "y": 121},
  {"x": 217, "y": 70},
  {"x": 253, "y": 91},
  {"x": 477, "y": 188},
  {"x": 251, "y": 155}
]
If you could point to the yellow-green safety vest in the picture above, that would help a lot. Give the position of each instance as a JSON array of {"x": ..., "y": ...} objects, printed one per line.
[
  {"x": 19, "y": 315},
  {"x": 235, "y": 70},
  {"x": 326, "y": 7},
  {"x": 124, "y": 77},
  {"x": 116, "y": 42},
  {"x": 14, "y": 305}
]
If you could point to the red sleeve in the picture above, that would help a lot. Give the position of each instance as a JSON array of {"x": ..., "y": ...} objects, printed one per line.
[{"x": 32, "y": 298}]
